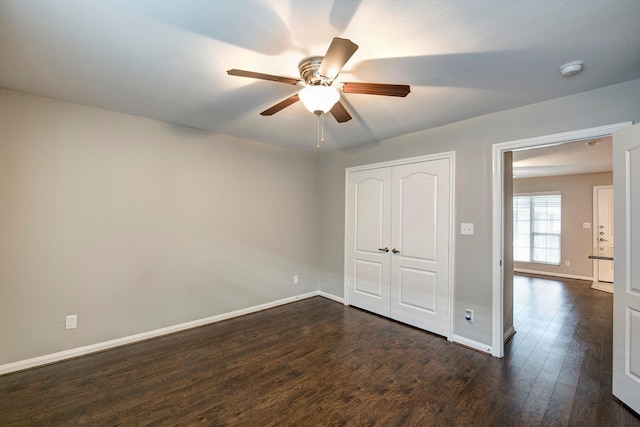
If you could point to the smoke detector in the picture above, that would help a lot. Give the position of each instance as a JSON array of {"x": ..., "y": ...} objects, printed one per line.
[
  {"x": 593, "y": 143},
  {"x": 571, "y": 68}
]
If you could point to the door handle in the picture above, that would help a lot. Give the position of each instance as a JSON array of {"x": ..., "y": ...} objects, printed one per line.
[
  {"x": 383, "y": 249},
  {"x": 602, "y": 240},
  {"x": 395, "y": 251}
]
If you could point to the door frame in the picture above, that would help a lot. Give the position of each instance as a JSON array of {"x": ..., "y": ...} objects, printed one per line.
[
  {"x": 451, "y": 156},
  {"x": 595, "y": 219},
  {"x": 497, "y": 334}
]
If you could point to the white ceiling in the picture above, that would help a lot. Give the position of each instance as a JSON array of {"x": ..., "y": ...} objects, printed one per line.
[
  {"x": 564, "y": 159},
  {"x": 167, "y": 60}
]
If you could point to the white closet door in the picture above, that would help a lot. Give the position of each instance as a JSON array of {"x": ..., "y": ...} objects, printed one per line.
[
  {"x": 420, "y": 239},
  {"x": 368, "y": 240}
]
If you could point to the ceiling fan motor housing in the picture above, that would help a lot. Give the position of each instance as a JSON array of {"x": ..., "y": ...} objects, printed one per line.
[{"x": 309, "y": 68}]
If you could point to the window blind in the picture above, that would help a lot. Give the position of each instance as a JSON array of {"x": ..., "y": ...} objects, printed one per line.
[{"x": 536, "y": 228}]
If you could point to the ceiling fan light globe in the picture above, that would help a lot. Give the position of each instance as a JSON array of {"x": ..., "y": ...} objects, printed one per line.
[{"x": 319, "y": 98}]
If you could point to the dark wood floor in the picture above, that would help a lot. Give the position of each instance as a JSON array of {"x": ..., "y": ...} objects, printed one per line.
[{"x": 316, "y": 362}]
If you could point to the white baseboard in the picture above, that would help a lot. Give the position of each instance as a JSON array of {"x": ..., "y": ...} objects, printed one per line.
[
  {"x": 331, "y": 297},
  {"x": 106, "y": 345},
  {"x": 484, "y": 348},
  {"x": 547, "y": 273},
  {"x": 509, "y": 333},
  {"x": 602, "y": 286}
]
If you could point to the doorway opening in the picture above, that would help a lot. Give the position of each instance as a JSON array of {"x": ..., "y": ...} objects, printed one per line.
[{"x": 502, "y": 267}]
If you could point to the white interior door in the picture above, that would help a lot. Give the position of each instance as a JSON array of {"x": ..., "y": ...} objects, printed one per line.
[
  {"x": 626, "y": 296},
  {"x": 605, "y": 232},
  {"x": 368, "y": 240},
  {"x": 420, "y": 245}
]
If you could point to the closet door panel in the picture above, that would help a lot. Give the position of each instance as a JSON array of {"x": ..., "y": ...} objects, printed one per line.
[
  {"x": 368, "y": 240},
  {"x": 368, "y": 278},
  {"x": 417, "y": 225},
  {"x": 418, "y": 289},
  {"x": 420, "y": 236}
]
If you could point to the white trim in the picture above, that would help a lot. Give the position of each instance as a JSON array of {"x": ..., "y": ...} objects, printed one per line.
[
  {"x": 509, "y": 333},
  {"x": 347, "y": 237},
  {"x": 449, "y": 155},
  {"x": 602, "y": 286},
  {"x": 331, "y": 297},
  {"x": 549, "y": 273},
  {"x": 541, "y": 193},
  {"x": 106, "y": 345},
  {"x": 452, "y": 240},
  {"x": 472, "y": 344},
  {"x": 391, "y": 163},
  {"x": 498, "y": 225}
]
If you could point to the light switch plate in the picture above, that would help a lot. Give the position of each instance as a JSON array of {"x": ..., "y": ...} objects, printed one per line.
[
  {"x": 586, "y": 225},
  {"x": 466, "y": 228}
]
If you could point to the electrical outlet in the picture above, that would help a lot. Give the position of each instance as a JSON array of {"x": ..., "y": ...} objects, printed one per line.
[
  {"x": 468, "y": 315},
  {"x": 567, "y": 263},
  {"x": 466, "y": 228},
  {"x": 295, "y": 279},
  {"x": 71, "y": 322}
]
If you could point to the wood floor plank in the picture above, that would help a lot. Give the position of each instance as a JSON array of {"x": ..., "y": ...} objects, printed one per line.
[{"x": 559, "y": 408}]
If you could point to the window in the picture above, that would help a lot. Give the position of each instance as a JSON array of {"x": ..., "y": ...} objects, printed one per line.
[{"x": 536, "y": 228}]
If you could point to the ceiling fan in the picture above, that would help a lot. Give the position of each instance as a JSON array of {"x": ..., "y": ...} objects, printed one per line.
[{"x": 321, "y": 92}]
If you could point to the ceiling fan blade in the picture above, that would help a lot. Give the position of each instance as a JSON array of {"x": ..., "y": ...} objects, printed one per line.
[
  {"x": 261, "y": 76},
  {"x": 376, "y": 89},
  {"x": 281, "y": 105},
  {"x": 340, "y": 113},
  {"x": 337, "y": 55}
]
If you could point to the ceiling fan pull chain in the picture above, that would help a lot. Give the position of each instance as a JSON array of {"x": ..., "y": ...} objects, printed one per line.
[
  {"x": 322, "y": 134},
  {"x": 318, "y": 143}
]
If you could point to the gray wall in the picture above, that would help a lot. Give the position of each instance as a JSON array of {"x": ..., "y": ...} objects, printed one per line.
[
  {"x": 576, "y": 243},
  {"x": 472, "y": 140},
  {"x": 135, "y": 224}
]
